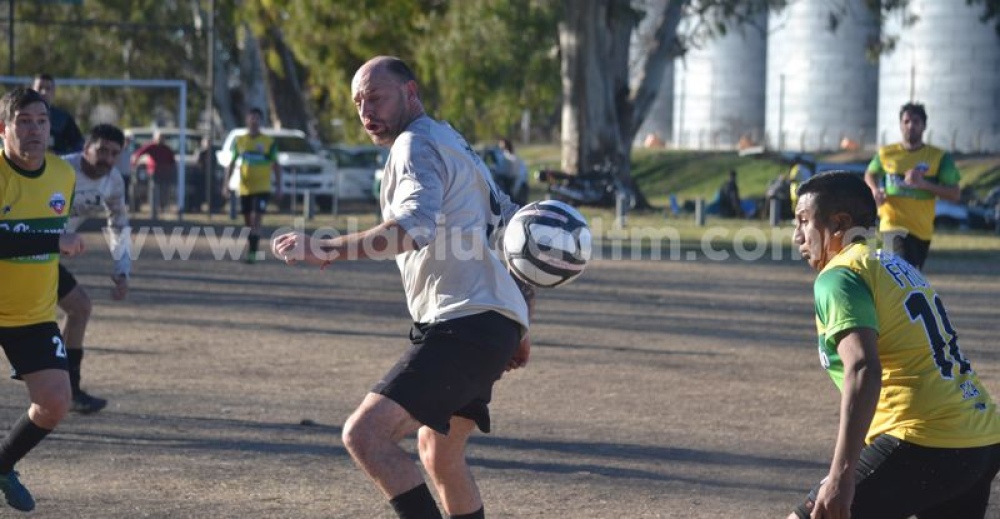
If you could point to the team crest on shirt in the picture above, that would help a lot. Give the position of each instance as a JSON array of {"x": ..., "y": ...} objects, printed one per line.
[{"x": 57, "y": 203}]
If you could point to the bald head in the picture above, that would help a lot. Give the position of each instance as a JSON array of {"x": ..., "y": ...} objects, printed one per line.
[{"x": 386, "y": 96}]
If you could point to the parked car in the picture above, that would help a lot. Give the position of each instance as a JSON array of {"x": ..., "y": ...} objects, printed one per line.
[
  {"x": 516, "y": 187},
  {"x": 356, "y": 166},
  {"x": 303, "y": 167}
]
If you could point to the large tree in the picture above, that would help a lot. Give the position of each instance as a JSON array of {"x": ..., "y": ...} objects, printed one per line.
[{"x": 604, "y": 99}]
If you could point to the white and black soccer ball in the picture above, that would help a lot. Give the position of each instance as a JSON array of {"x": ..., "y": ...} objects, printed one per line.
[{"x": 547, "y": 243}]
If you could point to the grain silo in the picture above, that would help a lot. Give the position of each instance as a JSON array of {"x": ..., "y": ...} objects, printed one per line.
[
  {"x": 719, "y": 89},
  {"x": 950, "y": 61},
  {"x": 821, "y": 88}
]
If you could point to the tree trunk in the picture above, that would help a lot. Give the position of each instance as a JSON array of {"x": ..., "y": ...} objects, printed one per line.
[
  {"x": 601, "y": 115},
  {"x": 252, "y": 79},
  {"x": 287, "y": 100}
]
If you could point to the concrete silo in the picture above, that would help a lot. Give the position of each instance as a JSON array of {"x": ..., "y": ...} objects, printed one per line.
[
  {"x": 820, "y": 86},
  {"x": 719, "y": 89},
  {"x": 949, "y": 61}
]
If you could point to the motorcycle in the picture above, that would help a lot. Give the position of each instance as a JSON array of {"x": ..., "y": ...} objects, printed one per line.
[{"x": 600, "y": 187}]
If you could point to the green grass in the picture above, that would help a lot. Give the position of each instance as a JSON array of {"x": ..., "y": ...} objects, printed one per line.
[{"x": 698, "y": 174}]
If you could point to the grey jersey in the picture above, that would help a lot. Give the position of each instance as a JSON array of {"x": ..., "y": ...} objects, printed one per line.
[
  {"x": 441, "y": 193},
  {"x": 103, "y": 197}
]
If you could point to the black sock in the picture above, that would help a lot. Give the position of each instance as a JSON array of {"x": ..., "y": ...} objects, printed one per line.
[
  {"x": 21, "y": 438},
  {"x": 478, "y": 514},
  {"x": 254, "y": 242},
  {"x": 75, "y": 360},
  {"x": 416, "y": 503}
]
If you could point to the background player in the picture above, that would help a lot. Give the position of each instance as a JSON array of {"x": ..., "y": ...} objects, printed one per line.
[
  {"x": 905, "y": 178},
  {"x": 256, "y": 156},
  {"x": 100, "y": 191}
]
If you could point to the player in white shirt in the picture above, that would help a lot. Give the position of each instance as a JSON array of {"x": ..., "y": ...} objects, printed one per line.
[
  {"x": 442, "y": 214},
  {"x": 100, "y": 191}
]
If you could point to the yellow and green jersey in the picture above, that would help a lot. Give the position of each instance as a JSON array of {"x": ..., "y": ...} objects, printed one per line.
[
  {"x": 930, "y": 394},
  {"x": 905, "y": 208},
  {"x": 32, "y": 202},
  {"x": 255, "y": 156}
]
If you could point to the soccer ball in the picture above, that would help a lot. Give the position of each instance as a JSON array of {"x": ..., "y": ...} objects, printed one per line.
[{"x": 547, "y": 243}]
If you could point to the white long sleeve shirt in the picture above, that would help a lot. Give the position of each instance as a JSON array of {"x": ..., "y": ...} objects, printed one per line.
[{"x": 103, "y": 197}]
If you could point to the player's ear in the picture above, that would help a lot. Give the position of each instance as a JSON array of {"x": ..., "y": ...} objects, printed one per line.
[{"x": 840, "y": 223}]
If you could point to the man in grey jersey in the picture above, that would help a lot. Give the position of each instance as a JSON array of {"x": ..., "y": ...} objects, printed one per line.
[{"x": 441, "y": 216}]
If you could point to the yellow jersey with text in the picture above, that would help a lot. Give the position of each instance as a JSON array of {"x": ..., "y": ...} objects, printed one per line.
[
  {"x": 905, "y": 208},
  {"x": 32, "y": 202},
  {"x": 255, "y": 156},
  {"x": 930, "y": 394}
]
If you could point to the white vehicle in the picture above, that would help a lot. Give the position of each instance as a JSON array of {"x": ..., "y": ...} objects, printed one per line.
[
  {"x": 303, "y": 168},
  {"x": 357, "y": 166}
]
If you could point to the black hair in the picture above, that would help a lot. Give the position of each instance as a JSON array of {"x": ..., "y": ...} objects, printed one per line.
[
  {"x": 16, "y": 100},
  {"x": 914, "y": 109},
  {"x": 399, "y": 69},
  {"x": 255, "y": 110},
  {"x": 506, "y": 145},
  {"x": 44, "y": 76},
  {"x": 108, "y": 132},
  {"x": 842, "y": 192}
]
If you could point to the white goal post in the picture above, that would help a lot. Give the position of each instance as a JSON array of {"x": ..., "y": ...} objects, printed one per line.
[{"x": 181, "y": 87}]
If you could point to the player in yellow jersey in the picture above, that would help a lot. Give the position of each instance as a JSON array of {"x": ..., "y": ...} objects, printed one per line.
[
  {"x": 905, "y": 178},
  {"x": 256, "y": 156},
  {"x": 919, "y": 434},
  {"x": 35, "y": 195}
]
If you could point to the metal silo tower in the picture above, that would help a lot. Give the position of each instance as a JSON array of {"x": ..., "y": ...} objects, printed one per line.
[
  {"x": 719, "y": 89},
  {"x": 820, "y": 86},
  {"x": 950, "y": 61}
]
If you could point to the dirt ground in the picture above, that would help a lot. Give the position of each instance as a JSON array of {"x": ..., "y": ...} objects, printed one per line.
[{"x": 682, "y": 389}]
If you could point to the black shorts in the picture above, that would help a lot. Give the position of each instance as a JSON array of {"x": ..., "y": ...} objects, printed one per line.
[
  {"x": 898, "y": 479},
  {"x": 66, "y": 282},
  {"x": 256, "y": 203},
  {"x": 33, "y": 348},
  {"x": 450, "y": 368},
  {"x": 912, "y": 249}
]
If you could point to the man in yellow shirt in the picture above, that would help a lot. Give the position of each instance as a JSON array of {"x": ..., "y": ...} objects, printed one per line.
[
  {"x": 256, "y": 156},
  {"x": 905, "y": 178},
  {"x": 919, "y": 434},
  {"x": 36, "y": 190}
]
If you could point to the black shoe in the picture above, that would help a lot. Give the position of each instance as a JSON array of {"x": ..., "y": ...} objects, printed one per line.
[
  {"x": 86, "y": 404},
  {"x": 16, "y": 495}
]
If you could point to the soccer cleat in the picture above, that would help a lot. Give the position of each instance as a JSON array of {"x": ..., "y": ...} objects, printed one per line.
[
  {"x": 86, "y": 404},
  {"x": 17, "y": 496}
]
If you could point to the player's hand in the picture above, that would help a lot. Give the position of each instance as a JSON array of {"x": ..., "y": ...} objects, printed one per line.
[
  {"x": 879, "y": 195},
  {"x": 294, "y": 247},
  {"x": 71, "y": 244},
  {"x": 834, "y": 498},
  {"x": 520, "y": 357},
  {"x": 915, "y": 177},
  {"x": 120, "y": 288}
]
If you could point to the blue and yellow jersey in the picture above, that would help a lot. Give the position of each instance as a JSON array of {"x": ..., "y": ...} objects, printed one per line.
[
  {"x": 30, "y": 202},
  {"x": 930, "y": 394},
  {"x": 255, "y": 156},
  {"x": 905, "y": 208}
]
